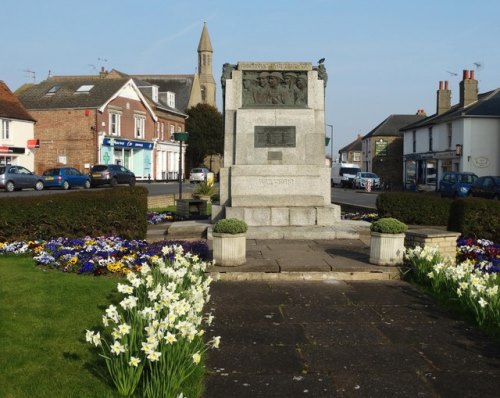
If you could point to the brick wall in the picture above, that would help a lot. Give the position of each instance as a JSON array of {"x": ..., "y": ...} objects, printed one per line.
[
  {"x": 446, "y": 241},
  {"x": 69, "y": 133}
]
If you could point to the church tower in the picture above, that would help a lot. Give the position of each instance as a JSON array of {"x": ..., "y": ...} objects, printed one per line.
[{"x": 205, "y": 74}]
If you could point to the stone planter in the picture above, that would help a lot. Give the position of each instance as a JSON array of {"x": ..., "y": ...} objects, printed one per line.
[
  {"x": 387, "y": 249},
  {"x": 229, "y": 250}
]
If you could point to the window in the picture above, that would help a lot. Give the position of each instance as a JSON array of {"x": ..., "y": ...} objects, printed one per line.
[
  {"x": 85, "y": 88},
  {"x": 115, "y": 123},
  {"x": 414, "y": 140},
  {"x": 203, "y": 93},
  {"x": 154, "y": 93},
  {"x": 53, "y": 90},
  {"x": 5, "y": 129},
  {"x": 172, "y": 131},
  {"x": 450, "y": 135},
  {"x": 430, "y": 138},
  {"x": 171, "y": 99},
  {"x": 140, "y": 126},
  {"x": 162, "y": 131},
  {"x": 356, "y": 156}
]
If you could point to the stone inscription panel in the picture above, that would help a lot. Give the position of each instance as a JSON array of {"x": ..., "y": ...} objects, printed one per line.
[
  {"x": 276, "y": 181},
  {"x": 274, "y": 137}
]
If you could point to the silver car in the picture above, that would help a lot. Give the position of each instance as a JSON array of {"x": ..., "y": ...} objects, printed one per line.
[
  {"x": 364, "y": 178},
  {"x": 18, "y": 177},
  {"x": 198, "y": 174}
]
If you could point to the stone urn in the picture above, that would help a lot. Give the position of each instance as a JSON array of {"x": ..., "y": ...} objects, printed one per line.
[
  {"x": 229, "y": 242},
  {"x": 387, "y": 243}
]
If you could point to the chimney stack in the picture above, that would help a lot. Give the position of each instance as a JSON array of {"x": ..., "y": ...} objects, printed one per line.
[
  {"x": 103, "y": 73},
  {"x": 443, "y": 103},
  {"x": 468, "y": 89}
]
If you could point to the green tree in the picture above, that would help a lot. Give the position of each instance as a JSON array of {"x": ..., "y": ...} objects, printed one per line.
[{"x": 206, "y": 136}]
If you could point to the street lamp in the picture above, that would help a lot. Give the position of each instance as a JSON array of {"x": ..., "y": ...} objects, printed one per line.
[
  {"x": 180, "y": 136},
  {"x": 331, "y": 140}
]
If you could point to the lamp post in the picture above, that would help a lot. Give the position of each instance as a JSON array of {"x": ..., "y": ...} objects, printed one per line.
[
  {"x": 331, "y": 141},
  {"x": 180, "y": 136}
]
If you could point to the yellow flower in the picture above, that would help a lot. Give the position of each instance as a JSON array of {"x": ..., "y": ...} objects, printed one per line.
[{"x": 196, "y": 358}]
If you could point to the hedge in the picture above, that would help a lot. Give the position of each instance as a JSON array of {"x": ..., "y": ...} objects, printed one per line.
[
  {"x": 414, "y": 208},
  {"x": 475, "y": 217},
  {"x": 119, "y": 211}
]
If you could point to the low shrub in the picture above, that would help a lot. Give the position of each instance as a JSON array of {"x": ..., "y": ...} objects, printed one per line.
[
  {"x": 230, "y": 226},
  {"x": 388, "y": 226}
]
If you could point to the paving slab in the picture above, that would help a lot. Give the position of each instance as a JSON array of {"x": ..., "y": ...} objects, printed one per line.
[{"x": 344, "y": 339}]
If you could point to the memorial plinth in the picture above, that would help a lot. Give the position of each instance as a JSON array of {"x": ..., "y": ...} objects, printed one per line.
[{"x": 275, "y": 176}]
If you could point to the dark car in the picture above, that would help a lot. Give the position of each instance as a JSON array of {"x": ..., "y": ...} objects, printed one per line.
[
  {"x": 65, "y": 177},
  {"x": 455, "y": 184},
  {"x": 486, "y": 187},
  {"x": 19, "y": 177},
  {"x": 112, "y": 174}
]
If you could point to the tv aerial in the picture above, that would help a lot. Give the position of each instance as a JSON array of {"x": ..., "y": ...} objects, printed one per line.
[
  {"x": 478, "y": 65},
  {"x": 31, "y": 73},
  {"x": 452, "y": 73}
]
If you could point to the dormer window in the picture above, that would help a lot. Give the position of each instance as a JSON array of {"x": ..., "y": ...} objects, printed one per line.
[
  {"x": 171, "y": 99},
  {"x": 154, "y": 93},
  {"x": 53, "y": 90},
  {"x": 84, "y": 89}
]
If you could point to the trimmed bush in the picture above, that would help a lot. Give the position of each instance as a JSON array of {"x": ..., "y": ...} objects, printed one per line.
[
  {"x": 475, "y": 217},
  {"x": 414, "y": 208},
  {"x": 119, "y": 211},
  {"x": 388, "y": 226},
  {"x": 230, "y": 226}
]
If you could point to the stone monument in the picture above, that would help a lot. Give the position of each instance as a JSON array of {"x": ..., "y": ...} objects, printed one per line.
[{"x": 274, "y": 175}]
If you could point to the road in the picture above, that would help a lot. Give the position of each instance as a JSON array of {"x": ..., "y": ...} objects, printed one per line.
[{"x": 339, "y": 195}]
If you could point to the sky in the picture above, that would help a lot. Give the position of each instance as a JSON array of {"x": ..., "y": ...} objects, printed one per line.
[{"x": 383, "y": 57}]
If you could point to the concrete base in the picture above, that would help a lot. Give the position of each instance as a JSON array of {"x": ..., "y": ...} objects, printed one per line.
[{"x": 338, "y": 230}]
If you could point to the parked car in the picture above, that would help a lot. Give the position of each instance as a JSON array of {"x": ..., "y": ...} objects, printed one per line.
[
  {"x": 111, "y": 174},
  {"x": 455, "y": 184},
  {"x": 363, "y": 177},
  {"x": 65, "y": 177},
  {"x": 486, "y": 187},
  {"x": 198, "y": 174},
  {"x": 344, "y": 174},
  {"x": 18, "y": 177}
]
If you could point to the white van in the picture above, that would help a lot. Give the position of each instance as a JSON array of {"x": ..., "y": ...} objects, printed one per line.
[{"x": 344, "y": 174}]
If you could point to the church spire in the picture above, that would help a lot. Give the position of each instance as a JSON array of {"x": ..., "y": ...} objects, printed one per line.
[{"x": 207, "y": 82}]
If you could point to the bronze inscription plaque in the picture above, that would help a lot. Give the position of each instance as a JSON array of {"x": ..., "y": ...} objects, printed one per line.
[{"x": 274, "y": 137}]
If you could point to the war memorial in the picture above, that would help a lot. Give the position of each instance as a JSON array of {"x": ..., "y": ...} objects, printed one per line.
[{"x": 274, "y": 175}]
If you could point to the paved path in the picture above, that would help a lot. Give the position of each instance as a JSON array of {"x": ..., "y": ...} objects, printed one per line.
[{"x": 344, "y": 339}]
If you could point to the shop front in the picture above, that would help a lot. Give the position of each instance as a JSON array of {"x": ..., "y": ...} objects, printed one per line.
[
  {"x": 423, "y": 170},
  {"x": 133, "y": 154}
]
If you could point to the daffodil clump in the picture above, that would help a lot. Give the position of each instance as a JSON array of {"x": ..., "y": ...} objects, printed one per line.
[
  {"x": 475, "y": 285},
  {"x": 153, "y": 340}
]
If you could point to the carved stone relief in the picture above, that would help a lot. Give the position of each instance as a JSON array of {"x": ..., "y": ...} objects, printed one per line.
[{"x": 265, "y": 89}]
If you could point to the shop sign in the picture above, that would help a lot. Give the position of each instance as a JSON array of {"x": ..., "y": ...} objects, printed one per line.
[
  {"x": 381, "y": 148},
  {"x": 122, "y": 143},
  {"x": 12, "y": 149}
]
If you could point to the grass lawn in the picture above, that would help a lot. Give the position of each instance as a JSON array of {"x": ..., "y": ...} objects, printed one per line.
[{"x": 43, "y": 318}]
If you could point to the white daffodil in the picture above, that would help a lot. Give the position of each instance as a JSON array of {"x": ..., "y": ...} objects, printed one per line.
[
  {"x": 154, "y": 356},
  {"x": 170, "y": 338},
  {"x": 134, "y": 362},
  {"x": 124, "y": 329},
  {"x": 216, "y": 342},
  {"x": 196, "y": 358},
  {"x": 482, "y": 302},
  {"x": 117, "y": 348}
]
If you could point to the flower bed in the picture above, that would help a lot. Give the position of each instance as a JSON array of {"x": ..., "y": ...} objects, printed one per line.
[
  {"x": 473, "y": 283},
  {"x": 100, "y": 255},
  {"x": 156, "y": 218}
]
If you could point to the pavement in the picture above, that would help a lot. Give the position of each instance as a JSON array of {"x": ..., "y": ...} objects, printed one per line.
[{"x": 314, "y": 318}]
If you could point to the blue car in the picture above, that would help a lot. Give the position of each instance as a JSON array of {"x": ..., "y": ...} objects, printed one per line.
[
  {"x": 456, "y": 185},
  {"x": 65, "y": 178}
]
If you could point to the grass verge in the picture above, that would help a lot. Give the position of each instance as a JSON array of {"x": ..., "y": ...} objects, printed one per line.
[{"x": 44, "y": 315}]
